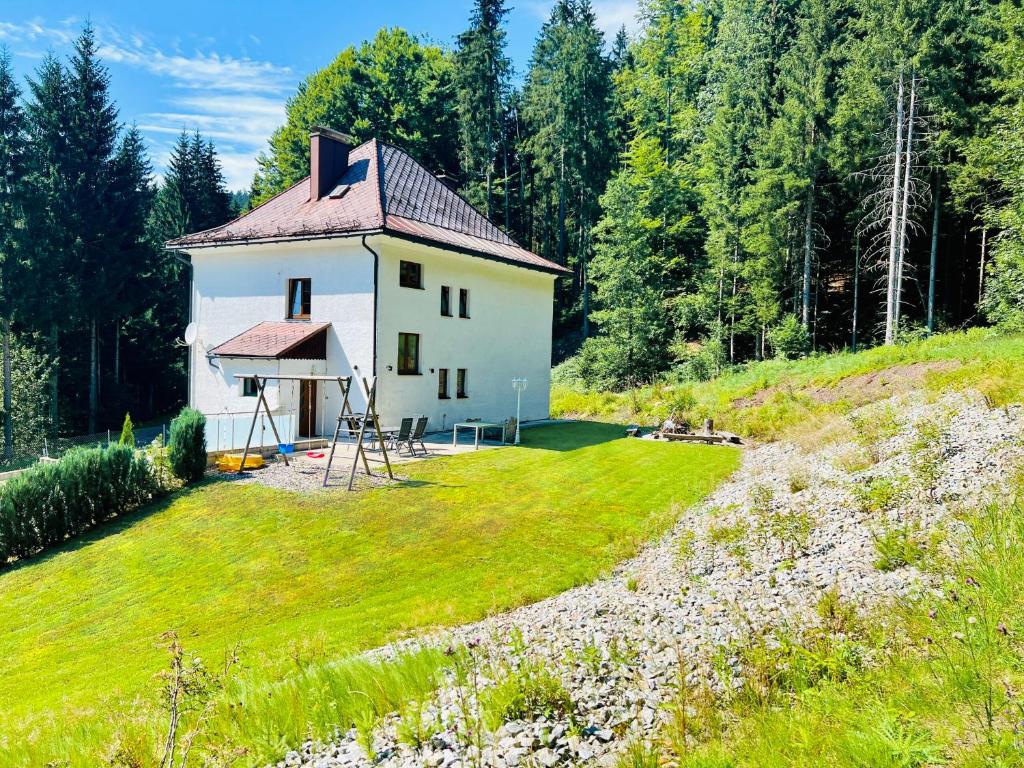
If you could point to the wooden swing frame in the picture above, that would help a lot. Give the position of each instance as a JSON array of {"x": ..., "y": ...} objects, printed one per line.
[{"x": 344, "y": 414}]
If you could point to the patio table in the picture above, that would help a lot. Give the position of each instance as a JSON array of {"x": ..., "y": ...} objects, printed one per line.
[{"x": 478, "y": 427}]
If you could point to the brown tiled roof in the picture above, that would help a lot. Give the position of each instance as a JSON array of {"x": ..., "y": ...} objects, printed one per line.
[
  {"x": 271, "y": 339},
  {"x": 387, "y": 191}
]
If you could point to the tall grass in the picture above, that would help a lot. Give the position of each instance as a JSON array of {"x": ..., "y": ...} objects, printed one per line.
[
  {"x": 250, "y": 720},
  {"x": 939, "y": 681},
  {"x": 769, "y": 399}
]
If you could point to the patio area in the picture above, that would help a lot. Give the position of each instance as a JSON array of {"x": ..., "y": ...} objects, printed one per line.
[{"x": 307, "y": 465}]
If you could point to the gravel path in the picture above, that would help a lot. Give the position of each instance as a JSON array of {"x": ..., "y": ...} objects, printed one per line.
[{"x": 760, "y": 552}]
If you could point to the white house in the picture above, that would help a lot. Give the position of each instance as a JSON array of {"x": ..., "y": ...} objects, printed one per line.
[{"x": 370, "y": 267}]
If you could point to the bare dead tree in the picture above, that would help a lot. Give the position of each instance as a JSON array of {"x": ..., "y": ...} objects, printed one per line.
[{"x": 894, "y": 198}]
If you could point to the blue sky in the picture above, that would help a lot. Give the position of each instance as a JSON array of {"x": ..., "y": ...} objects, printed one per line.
[{"x": 227, "y": 68}]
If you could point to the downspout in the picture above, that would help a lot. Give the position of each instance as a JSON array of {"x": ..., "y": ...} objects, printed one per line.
[
  {"x": 191, "y": 290},
  {"x": 376, "y": 265}
]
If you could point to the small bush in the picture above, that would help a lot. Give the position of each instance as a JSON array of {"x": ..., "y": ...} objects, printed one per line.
[
  {"x": 127, "y": 432},
  {"x": 898, "y": 546},
  {"x": 187, "y": 448},
  {"x": 525, "y": 692},
  {"x": 42, "y": 507},
  {"x": 789, "y": 338},
  {"x": 879, "y": 494}
]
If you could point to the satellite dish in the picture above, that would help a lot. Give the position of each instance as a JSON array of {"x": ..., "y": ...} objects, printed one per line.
[{"x": 191, "y": 333}]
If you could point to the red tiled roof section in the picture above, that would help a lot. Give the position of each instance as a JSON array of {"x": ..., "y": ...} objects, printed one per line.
[
  {"x": 388, "y": 192},
  {"x": 270, "y": 339}
]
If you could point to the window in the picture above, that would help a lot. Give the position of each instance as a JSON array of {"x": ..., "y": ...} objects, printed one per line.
[
  {"x": 446, "y": 301},
  {"x": 463, "y": 302},
  {"x": 410, "y": 274},
  {"x": 460, "y": 383},
  {"x": 408, "y": 353},
  {"x": 250, "y": 387},
  {"x": 299, "y": 290},
  {"x": 442, "y": 384}
]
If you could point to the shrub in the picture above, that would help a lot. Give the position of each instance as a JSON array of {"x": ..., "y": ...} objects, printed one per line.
[
  {"x": 524, "y": 692},
  {"x": 879, "y": 494},
  {"x": 127, "y": 432},
  {"x": 50, "y": 502},
  {"x": 789, "y": 338},
  {"x": 898, "y": 546},
  {"x": 187, "y": 446}
]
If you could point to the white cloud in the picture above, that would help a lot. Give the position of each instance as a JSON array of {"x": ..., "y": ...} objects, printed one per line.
[
  {"x": 611, "y": 14},
  {"x": 237, "y": 101}
]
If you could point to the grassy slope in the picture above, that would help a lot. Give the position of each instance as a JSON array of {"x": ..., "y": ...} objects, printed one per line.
[
  {"x": 765, "y": 400},
  {"x": 223, "y": 563}
]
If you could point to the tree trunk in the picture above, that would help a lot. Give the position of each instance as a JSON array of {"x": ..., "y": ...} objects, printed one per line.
[
  {"x": 93, "y": 378},
  {"x": 856, "y": 291},
  {"x": 561, "y": 208},
  {"x": 8, "y": 399},
  {"x": 905, "y": 207},
  {"x": 54, "y": 384},
  {"x": 117, "y": 354},
  {"x": 808, "y": 253},
  {"x": 981, "y": 266},
  {"x": 890, "y": 292},
  {"x": 586, "y": 295},
  {"x": 732, "y": 307},
  {"x": 933, "y": 256}
]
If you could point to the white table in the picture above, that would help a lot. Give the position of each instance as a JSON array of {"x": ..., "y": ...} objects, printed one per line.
[{"x": 478, "y": 428}]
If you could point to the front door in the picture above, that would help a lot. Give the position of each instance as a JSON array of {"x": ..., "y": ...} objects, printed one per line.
[{"x": 307, "y": 409}]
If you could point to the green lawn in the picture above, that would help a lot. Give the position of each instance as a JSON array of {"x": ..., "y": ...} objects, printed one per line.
[{"x": 334, "y": 572}]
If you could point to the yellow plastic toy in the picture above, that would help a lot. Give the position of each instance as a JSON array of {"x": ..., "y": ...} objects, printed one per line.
[{"x": 232, "y": 462}]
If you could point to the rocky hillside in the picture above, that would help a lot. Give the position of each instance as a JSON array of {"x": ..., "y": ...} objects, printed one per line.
[{"x": 809, "y": 534}]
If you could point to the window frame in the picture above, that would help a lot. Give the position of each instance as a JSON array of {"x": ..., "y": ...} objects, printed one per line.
[
  {"x": 305, "y": 285},
  {"x": 402, "y": 274},
  {"x": 443, "y": 384},
  {"x": 446, "y": 301},
  {"x": 464, "y": 303},
  {"x": 461, "y": 374},
  {"x": 250, "y": 382},
  {"x": 416, "y": 355}
]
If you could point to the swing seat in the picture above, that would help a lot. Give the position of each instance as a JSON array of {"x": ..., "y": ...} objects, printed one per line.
[
  {"x": 233, "y": 462},
  {"x": 285, "y": 447}
]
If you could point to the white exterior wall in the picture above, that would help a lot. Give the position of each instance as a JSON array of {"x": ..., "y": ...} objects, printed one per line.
[
  {"x": 507, "y": 334},
  {"x": 237, "y": 287}
]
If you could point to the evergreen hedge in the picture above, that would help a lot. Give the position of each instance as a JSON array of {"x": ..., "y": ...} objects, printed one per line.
[
  {"x": 50, "y": 502},
  {"x": 187, "y": 445}
]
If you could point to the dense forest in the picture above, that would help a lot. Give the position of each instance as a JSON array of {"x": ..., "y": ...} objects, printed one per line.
[
  {"x": 744, "y": 178},
  {"x": 91, "y": 305},
  {"x": 739, "y": 179}
]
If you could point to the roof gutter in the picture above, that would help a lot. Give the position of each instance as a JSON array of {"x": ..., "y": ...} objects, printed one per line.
[
  {"x": 376, "y": 268},
  {"x": 171, "y": 246},
  {"x": 557, "y": 270}
]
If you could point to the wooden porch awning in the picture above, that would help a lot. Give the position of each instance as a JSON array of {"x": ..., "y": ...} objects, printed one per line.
[{"x": 285, "y": 340}]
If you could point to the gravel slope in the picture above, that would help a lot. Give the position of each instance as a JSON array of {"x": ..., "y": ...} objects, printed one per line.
[{"x": 621, "y": 644}]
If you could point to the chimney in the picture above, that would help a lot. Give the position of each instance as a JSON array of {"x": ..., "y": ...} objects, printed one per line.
[{"x": 328, "y": 159}]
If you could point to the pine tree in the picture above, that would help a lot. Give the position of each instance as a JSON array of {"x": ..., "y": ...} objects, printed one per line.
[
  {"x": 13, "y": 247},
  {"x": 566, "y": 105},
  {"x": 481, "y": 79},
  {"x": 93, "y": 130},
  {"x": 51, "y": 226}
]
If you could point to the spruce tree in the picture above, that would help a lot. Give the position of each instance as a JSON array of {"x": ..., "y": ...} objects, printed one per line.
[
  {"x": 566, "y": 104},
  {"x": 51, "y": 224},
  {"x": 13, "y": 246},
  {"x": 93, "y": 130},
  {"x": 481, "y": 80}
]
